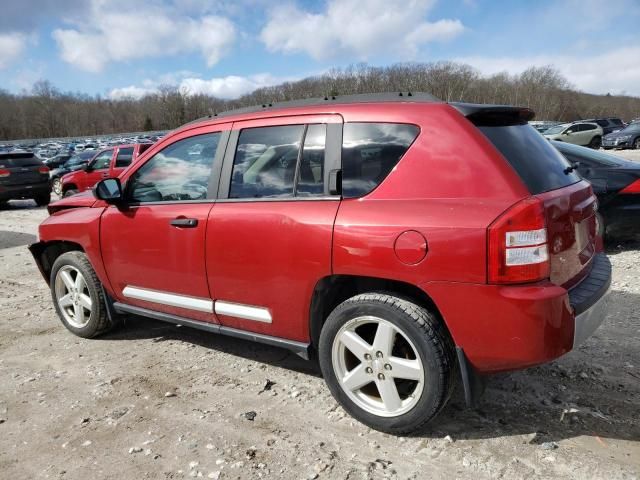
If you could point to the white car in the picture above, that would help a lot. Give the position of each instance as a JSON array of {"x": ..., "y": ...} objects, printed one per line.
[{"x": 586, "y": 134}]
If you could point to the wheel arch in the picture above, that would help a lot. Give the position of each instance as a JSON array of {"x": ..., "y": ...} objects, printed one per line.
[
  {"x": 332, "y": 290},
  {"x": 46, "y": 253}
]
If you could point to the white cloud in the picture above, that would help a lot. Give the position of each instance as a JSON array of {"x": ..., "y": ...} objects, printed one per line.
[
  {"x": 12, "y": 45},
  {"x": 363, "y": 28},
  {"x": 110, "y": 34},
  {"x": 616, "y": 71},
  {"x": 228, "y": 87}
]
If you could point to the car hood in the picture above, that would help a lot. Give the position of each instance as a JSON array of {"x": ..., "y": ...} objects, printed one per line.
[
  {"x": 84, "y": 199},
  {"x": 619, "y": 133}
]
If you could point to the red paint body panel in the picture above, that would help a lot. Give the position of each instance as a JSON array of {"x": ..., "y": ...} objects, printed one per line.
[
  {"x": 506, "y": 327},
  {"x": 270, "y": 254},
  {"x": 83, "y": 180},
  {"x": 141, "y": 249}
]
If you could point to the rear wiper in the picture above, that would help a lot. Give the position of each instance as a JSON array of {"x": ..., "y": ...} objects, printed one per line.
[{"x": 571, "y": 168}]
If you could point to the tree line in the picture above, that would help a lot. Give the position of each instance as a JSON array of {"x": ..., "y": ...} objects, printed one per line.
[{"x": 47, "y": 112}]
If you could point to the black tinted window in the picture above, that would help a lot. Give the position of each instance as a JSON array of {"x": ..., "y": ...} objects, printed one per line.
[
  {"x": 616, "y": 121},
  {"x": 311, "y": 171},
  {"x": 602, "y": 123},
  {"x": 369, "y": 152},
  {"x": 537, "y": 162},
  {"x": 124, "y": 157},
  {"x": 265, "y": 162},
  {"x": 179, "y": 172},
  {"x": 587, "y": 127},
  {"x": 19, "y": 160}
]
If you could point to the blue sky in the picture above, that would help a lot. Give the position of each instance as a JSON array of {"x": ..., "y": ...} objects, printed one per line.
[{"x": 227, "y": 48}]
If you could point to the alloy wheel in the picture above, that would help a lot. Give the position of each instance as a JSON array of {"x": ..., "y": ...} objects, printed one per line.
[
  {"x": 57, "y": 187},
  {"x": 72, "y": 295},
  {"x": 377, "y": 366}
]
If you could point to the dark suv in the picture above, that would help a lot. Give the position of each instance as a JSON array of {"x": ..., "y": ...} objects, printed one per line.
[
  {"x": 404, "y": 241},
  {"x": 23, "y": 175}
]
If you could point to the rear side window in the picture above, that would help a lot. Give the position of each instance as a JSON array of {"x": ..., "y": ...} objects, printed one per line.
[
  {"x": 265, "y": 162},
  {"x": 602, "y": 123},
  {"x": 616, "y": 121},
  {"x": 124, "y": 157},
  {"x": 370, "y": 151},
  {"x": 587, "y": 127},
  {"x": 19, "y": 161},
  {"x": 540, "y": 166}
]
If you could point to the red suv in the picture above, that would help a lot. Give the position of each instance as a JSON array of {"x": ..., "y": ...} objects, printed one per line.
[
  {"x": 405, "y": 241},
  {"x": 108, "y": 163}
]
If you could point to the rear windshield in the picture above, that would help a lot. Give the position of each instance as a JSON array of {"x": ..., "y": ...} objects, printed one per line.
[
  {"x": 541, "y": 167},
  {"x": 19, "y": 161}
]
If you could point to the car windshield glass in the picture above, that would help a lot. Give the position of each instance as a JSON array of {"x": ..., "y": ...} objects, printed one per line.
[
  {"x": 588, "y": 154},
  {"x": 556, "y": 129},
  {"x": 633, "y": 128},
  {"x": 9, "y": 161}
]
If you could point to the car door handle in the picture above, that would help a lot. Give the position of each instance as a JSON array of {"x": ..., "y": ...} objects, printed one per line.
[{"x": 185, "y": 222}]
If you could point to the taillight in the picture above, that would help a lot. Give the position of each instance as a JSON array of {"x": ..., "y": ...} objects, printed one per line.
[
  {"x": 632, "y": 188},
  {"x": 4, "y": 173},
  {"x": 43, "y": 169},
  {"x": 517, "y": 249}
]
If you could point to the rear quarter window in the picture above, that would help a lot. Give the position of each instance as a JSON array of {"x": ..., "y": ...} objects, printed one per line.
[
  {"x": 540, "y": 166},
  {"x": 370, "y": 151}
]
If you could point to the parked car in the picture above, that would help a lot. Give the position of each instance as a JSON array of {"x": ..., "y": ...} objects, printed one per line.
[
  {"x": 57, "y": 161},
  {"x": 580, "y": 133},
  {"x": 354, "y": 229},
  {"x": 615, "y": 181},
  {"x": 76, "y": 162},
  {"x": 608, "y": 124},
  {"x": 627, "y": 138},
  {"x": 22, "y": 175},
  {"x": 107, "y": 163}
]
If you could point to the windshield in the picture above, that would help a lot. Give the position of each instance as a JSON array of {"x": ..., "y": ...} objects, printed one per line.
[
  {"x": 633, "y": 128},
  {"x": 555, "y": 130},
  {"x": 585, "y": 154}
]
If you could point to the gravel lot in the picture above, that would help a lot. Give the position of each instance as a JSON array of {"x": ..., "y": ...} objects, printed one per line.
[{"x": 159, "y": 401}]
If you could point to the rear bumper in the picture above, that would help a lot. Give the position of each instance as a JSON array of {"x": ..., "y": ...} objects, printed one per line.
[
  {"x": 16, "y": 192},
  {"x": 502, "y": 328}
]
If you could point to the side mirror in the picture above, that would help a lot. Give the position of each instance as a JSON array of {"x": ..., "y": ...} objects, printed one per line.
[
  {"x": 109, "y": 190},
  {"x": 568, "y": 132},
  {"x": 87, "y": 168}
]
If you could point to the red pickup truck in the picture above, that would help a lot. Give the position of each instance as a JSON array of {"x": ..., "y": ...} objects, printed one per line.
[{"x": 108, "y": 163}]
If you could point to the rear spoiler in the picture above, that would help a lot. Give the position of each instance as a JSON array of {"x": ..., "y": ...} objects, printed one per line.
[{"x": 494, "y": 115}]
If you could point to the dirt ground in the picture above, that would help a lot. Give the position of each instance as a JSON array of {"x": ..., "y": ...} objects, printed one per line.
[{"x": 158, "y": 401}]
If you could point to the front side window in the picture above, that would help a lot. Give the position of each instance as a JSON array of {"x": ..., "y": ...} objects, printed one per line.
[
  {"x": 370, "y": 151},
  {"x": 179, "y": 172},
  {"x": 125, "y": 155},
  {"x": 102, "y": 161},
  {"x": 264, "y": 165}
]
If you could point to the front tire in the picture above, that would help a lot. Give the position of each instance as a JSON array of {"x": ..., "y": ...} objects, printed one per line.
[
  {"x": 636, "y": 143},
  {"x": 69, "y": 193},
  {"x": 43, "y": 200},
  {"x": 78, "y": 296},
  {"x": 387, "y": 361}
]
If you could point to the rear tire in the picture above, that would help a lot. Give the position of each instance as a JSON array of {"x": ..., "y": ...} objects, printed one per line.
[
  {"x": 387, "y": 361},
  {"x": 596, "y": 142},
  {"x": 69, "y": 193},
  {"x": 636, "y": 143},
  {"x": 78, "y": 296},
  {"x": 43, "y": 200}
]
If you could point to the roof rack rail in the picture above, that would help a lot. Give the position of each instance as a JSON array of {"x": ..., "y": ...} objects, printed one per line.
[{"x": 332, "y": 99}]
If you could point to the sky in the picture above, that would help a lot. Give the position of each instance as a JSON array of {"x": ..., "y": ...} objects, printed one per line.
[{"x": 226, "y": 48}]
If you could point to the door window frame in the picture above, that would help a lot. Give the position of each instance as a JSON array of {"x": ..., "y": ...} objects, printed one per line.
[
  {"x": 332, "y": 154},
  {"x": 214, "y": 179}
]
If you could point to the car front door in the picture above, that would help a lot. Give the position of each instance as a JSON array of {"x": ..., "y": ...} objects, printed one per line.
[
  {"x": 153, "y": 246},
  {"x": 123, "y": 158},
  {"x": 270, "y": 232},
  {"x": 97, "y": 169}
]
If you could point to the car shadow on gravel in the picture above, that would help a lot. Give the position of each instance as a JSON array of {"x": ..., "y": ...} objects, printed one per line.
[
  {"x": 19, "y": 205},
  {"x": 137, "y": 328},
  {"x": 10, "y": 239},
  {"x": 588, "y": 392},
  {"x": 619, "y": 246}
]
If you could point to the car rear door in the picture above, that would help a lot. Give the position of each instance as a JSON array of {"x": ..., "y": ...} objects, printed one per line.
[
  {"x": 153, "y": 246},
  {"x": 269, "y": 235}
]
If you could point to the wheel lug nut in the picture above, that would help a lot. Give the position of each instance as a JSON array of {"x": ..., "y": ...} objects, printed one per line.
[
  {"x": 387, "y": 366},
  {"x": 368, "y": 370},
  {"x": 381, "y": 376},
  {"x": 379, "y": 354},
  {"x": 367, "y": 356}
]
